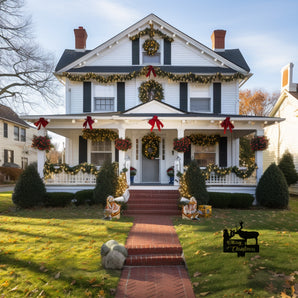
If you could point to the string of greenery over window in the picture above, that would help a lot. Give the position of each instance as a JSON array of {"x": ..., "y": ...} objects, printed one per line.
[
  {"x": 99, "y": 135},
  {"x": 188, "y": 78},
  {"x": 151, "y": 32}
]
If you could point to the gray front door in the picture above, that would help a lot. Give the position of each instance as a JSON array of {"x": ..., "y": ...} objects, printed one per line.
[{"x": 150, "y": 170}]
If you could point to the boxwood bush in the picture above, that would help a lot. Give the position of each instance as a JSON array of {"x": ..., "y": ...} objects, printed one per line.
[
  {"x": 230, "y": 200},
  {"x": 58, "y": 199},
  {"x": 84, "y": 197}
]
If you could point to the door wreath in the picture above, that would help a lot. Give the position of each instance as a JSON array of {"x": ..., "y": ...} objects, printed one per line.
[
  {"x": 150, "y": 90},
  {"x": 150, "y": 146}
]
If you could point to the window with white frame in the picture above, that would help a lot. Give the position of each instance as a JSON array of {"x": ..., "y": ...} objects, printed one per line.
[
  {"x": 151, "y": 59},
  {"x": 101, "y": 152},
  {"x": 16, "y": 133},
  {"x": 104, "y": 98},
  {"x": 200, "y": 98},
  {"x": 205, "y": 155},
  {"x": 23, "y": 135}
]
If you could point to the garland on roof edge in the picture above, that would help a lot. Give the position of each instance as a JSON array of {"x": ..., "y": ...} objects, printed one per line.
[
  {"x": 151, "y": 32},
  {"x": 189, "y": 77}
]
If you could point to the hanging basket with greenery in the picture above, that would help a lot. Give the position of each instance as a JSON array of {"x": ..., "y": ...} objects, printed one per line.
[
  {"x": 259, "y": 143},
  {"x": 150, "y": 146},
  {"x": 151, "y": 46},
  {"x": 150, "y": 90},
  {"x": 99, "y": 135},
  {"x": 42, "y": 143},
  {"x": 181, "y": 145},
  {"x": 123, "y": 144}
]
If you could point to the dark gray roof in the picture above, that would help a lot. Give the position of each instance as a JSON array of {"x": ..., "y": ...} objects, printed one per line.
[
  {"x": 295, "y": 94},
  {"x": 234, "y": 56},
  {"x": 174, "y": 69},
  {"x": 68, "y": 57},
  {"x": 7, "y": 114}
]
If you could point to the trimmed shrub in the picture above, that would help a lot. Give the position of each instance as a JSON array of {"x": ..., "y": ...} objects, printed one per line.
[
  {"x": 230, "y": 200},
  {"x": 272, "y": 189},
  {"x": 30, "y": 190},
  {"x": 58, "y": 199},
  {"x": 287, "y": 166},
  {"x": 83, "y": 197},
  {"x": 196, "y": 184},
  {"x": 106, "y": 183}
]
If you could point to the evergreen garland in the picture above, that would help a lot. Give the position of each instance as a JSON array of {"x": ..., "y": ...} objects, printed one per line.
[
  {"x": 204, "y": 140},
  {"x": 99, "y": 135},
  {"x": 151, "y": 32},
  {"x": 188, "y": 78}
]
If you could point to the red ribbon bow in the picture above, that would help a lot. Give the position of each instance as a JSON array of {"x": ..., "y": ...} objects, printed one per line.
[
  {"x": 150, "y": 69},
  {"x": 41, "y": 122},
  {"x": 227, "y": 124},
  {"x": 89, "y": 122},
  {"x": 154, "y": 121}
]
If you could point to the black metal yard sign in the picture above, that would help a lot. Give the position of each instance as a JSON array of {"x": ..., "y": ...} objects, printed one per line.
[{"x": 240, "y": 246}]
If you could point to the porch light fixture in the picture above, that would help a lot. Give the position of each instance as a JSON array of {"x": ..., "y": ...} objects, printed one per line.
[
  {"x": 211, "y": 121},
  {"x": 265, "y": 122},
  {"x": 73, "y": 121},
  {"x": 95, "y": 120}
]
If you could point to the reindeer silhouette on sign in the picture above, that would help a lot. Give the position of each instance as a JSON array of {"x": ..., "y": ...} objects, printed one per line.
[{"x": 247, "y": 235}]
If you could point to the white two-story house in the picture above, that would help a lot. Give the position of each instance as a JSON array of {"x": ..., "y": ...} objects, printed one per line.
[{"x": 152, "y": 76}]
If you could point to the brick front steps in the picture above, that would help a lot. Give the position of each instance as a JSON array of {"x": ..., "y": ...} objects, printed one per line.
[{"x": 159, "y": 202}]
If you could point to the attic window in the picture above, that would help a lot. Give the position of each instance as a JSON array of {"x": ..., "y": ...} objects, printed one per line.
[{"x": 152, "y": 55}]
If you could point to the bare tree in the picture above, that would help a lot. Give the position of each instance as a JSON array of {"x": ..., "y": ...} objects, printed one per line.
[
  {"x": 256, "y": 102},
  {"x": 26, "y": 72}
]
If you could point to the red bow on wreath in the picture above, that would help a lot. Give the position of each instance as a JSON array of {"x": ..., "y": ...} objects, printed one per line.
[
  {"x": 150, "y": 69},
  {"x": 89, "y": 122},
  {"x": 227, "y": 124},
  {"x": 154, "y": 121},
  {"x": 41, "y": 122}
]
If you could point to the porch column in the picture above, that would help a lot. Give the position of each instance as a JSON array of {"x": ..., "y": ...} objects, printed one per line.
[
  {"x": 122, "y": 161},
  {"x": 41, "y": 154},
  {"x": 259, "y": 157},
  {"x": 179, "y": 162}
]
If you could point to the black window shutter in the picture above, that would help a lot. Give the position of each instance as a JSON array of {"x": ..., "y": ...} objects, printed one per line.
[
  {"x": 187, "y": 157},
  {"x": 135, "y": 51},
  {"x": 117, "y": 156},
  {"x": 217, "y": 98},
  {"x": 223, "y": 151},
  {"x": 12, "y": 156},
  {"x": 183, "y": 96},
  {"x": 121, "y": 96},
  {"x": 82, "y": 150},
  {"x": 87, "y": 97},
  {"x": 167, "y": 52},
  {"x": 5, "y": 155}
]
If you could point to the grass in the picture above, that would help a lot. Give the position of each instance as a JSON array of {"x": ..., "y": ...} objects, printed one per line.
[
  {"x": 265, "y": 274},
  {"x": 55, "y": 252}
]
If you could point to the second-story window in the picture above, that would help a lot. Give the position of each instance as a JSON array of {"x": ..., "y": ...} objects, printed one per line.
[
  {"x": 104, "y": 104},
  {"x": 23, "y": 135},
  {"x": 104, "y": 98},
  {"x": 16, "y": 133},
  {"x": 151, "y": 51},
  {"x": 5, "y": 130},
  {"x": 200, "y": 104}
]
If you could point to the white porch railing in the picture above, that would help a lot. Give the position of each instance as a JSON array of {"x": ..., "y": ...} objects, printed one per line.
[
  {"x": 64, "y": 178},
  {"x": 231, "y": 179}
]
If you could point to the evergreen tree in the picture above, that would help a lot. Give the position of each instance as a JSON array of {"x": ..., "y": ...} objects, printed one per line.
[
  {"x": 272, "y": 189},
  {"x": 287, "y": 166},
  {"x": 106, "y": 183},
  {"x": 196, "y": 184},
  {"x": 30, "y": 190}
]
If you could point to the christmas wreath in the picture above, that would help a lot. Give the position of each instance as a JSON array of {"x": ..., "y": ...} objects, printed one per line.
[
  {"x": 259, "y": 143},
  {"x": 123, "y": 144},
  {"x": 151, "y": 46},
  {"x": 99, "y": 135},
  {"x": 41, "y": 143},
  {"x": 150, "y": 146},
  {"x": 181, "y": 145},
  {"x": 150, "y": 90}
]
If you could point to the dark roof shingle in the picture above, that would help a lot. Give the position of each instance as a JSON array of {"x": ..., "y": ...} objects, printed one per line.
[{"x": 8, "y": 114}]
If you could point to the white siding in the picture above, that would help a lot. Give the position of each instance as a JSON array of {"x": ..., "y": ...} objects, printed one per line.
[
  {"x": 131, "y": 94},
  {"x": 187, "y": 55},
  {"x": 229, "y": 98},
  {"x": 118, "y": 55},
  {"x": 171, "y": 94},
  {"x": 76, "y": 97}
]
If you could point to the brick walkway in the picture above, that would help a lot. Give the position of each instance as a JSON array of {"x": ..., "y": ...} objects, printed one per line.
[{"x": 154, "y": 266}]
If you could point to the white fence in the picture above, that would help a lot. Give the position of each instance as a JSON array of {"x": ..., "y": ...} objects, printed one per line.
[{"x": 231, "y": 179}]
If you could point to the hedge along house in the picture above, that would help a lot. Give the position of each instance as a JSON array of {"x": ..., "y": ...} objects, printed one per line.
[{"x": 153, "y": 84}]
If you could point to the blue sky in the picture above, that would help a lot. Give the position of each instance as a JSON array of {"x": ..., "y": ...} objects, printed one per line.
[{"x": 266, "y": 31}]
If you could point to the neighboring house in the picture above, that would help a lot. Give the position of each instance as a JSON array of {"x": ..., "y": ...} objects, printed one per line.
[
  {"x": 120, "y": 85},
  {"x": 283, "y": 136},
  {"x": 15, "y": 140}
]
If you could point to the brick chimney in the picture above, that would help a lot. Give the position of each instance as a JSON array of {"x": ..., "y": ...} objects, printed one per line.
[
  {"x": 80, "y": 38},
  {"x": 287, "y": 78},
  {"x": 218, "y": 40}
]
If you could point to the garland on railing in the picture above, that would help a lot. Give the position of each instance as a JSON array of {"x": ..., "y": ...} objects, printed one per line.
[
  {"x": 123, "y": 144},
  {"x": 59, "y": 168},
  {"x": 151, "y": 32},
  {"x": 189, "y": 77},
  {"x": 221, "y": 172},
  {"x": 99, "y": 135},
  {"x": 204, "y": 140},
  {"x": 150, "y": 146}
]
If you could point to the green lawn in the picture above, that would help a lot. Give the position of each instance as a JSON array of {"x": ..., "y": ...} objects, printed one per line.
[
  {"x": 55, "y": 252},
  {"x": 265, "y": 274}
]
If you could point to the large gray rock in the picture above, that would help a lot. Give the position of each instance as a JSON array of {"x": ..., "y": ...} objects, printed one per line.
[{"x": 113, "y": 255}]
